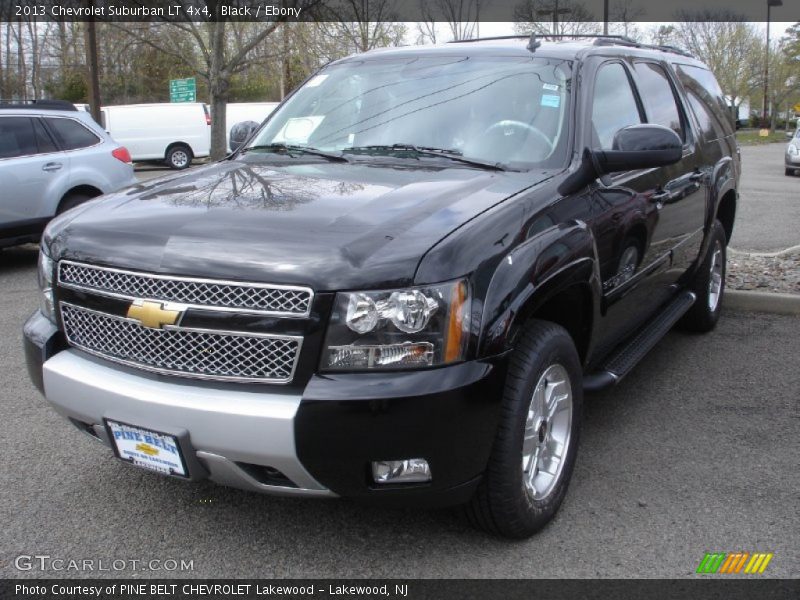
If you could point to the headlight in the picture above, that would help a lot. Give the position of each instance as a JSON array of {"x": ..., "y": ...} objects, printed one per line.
[
  {"x": 46, "y": 266},
  {"x": 398, "y": 329},
  {"x": 793, "y": 150}
]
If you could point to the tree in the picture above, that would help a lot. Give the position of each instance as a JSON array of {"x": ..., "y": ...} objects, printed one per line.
[
  {"x": 792, "y": 43},
  {"x": 216, "y": 50},
  {"x": 460, "y": 16},
  {"x": 363, "y": 24},
  {"x": 731, "y": 47},
  {"x": 662, "y": 35},
  {"x": 536, "y": 16},
  {"x": 622, "y": 16}
]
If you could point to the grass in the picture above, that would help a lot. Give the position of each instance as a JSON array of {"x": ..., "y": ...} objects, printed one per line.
[{"x": 750, "y": 137}]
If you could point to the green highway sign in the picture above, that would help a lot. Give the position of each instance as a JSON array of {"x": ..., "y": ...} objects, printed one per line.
[{"x": 183, "y": 90}]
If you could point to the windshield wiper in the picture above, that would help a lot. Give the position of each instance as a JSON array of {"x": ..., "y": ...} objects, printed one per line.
[
  {"x": 280, "y": 147},
  {"x": 454, "y": 155}
]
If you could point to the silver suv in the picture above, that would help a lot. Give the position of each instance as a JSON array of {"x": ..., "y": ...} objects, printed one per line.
[{"x": 52, "y": 158}]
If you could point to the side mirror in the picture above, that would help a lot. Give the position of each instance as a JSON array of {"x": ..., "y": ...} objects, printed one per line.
[
  {"x": 240, "y": 133},
  {"x": 634, "y": 147}
]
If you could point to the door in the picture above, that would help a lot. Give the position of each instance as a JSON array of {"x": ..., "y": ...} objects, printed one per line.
[
  {"x": 681, "y": 201},
  {"x": 641, "y": 219},
  {"x": 32, "y": 171}
]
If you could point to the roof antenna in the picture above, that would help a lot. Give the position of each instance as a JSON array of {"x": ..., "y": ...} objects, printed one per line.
[{"x": 533, "y": 44}]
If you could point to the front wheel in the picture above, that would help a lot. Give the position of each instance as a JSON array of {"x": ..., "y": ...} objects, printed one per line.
[
  {"x": 536, "y": 443},
  {"x": 708, "y": 285}
]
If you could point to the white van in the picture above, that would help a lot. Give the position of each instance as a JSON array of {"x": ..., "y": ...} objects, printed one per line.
[
  {"x": 236, "y": 112},
  {"x": 172, "y": 132}
]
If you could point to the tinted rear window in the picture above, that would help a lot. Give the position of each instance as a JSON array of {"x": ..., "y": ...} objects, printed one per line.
[
  {"x": 71, "y": 135},
  {"x": 17, "y": 137},
  {"x": 702, "y": 84},
  {"x": 43, "y": 138}
]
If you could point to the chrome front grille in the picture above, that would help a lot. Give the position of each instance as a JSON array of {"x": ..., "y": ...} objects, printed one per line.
[
  {"x": 203, "y": 294},
  {"x": 175, "y": 350}
]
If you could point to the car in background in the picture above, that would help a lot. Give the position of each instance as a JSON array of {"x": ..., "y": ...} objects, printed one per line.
[
  {"x": 236, "y": 112},
  {"x": 792, "y": 157},
  {"x": 53, "y": 157},
  {"x": 174, "y": 133}
]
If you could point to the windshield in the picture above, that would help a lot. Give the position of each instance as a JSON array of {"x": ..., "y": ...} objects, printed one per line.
[{"x": 509, "y": 111}]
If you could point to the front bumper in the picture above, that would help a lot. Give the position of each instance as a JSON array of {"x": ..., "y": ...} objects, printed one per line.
[
  {"x": 792, "y": 160},
  {"x": 320, "y": 443}
]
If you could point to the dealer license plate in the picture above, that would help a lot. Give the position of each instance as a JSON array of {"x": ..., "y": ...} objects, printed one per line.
[{"x": 148, "y": 449}]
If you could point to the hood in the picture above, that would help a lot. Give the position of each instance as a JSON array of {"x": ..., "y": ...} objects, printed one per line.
[{"x": 330, "y": 226}]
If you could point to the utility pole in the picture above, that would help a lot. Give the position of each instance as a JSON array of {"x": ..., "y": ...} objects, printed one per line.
[
  {"x": 605, "y": 17},
  {"x": 93, "y": 66},
  {"x": 555, "y": 11},
  {"x": 770, "y": 4}
]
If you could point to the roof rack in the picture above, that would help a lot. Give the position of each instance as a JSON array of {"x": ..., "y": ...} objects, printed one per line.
[
  {"x": 38, "y": 105},
  {"x": 599, "y": 40},
  {"x": 484, "y": 39}
]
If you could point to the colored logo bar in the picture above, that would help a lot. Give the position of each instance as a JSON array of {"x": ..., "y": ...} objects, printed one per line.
[{"x": 735, "y": 562}]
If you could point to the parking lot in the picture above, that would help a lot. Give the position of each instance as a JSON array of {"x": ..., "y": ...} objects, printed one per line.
[
  {"x": 769, "y": 210},
  {"x": 696, "y": 451}
]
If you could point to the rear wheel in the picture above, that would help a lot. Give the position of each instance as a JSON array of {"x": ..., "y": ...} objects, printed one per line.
[
  {"x": 535, "y": 446},
  {"x": 790, "y": 172},
  {"x": 178, "y": 157},
  {"x": 708, "y": 285},
  {"x": 71, "y": 201}
]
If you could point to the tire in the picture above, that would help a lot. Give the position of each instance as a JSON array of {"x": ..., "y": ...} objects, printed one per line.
[
  {"x": 178, "y": 157},
  {"x": 708, "y": 285},
  {"x": 71, "y": 201},
  {"x": 508, "y": 502},
  {"x": 790, "y": 172}
]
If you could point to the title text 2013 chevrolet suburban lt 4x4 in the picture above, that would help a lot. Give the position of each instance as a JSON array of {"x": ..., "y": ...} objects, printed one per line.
[{"x": 399, "y": 287}]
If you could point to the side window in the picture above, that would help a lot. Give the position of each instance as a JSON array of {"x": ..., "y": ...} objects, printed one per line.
[
  {"x": 43, "y": 139},
  {"x": 70, "y": 134},
  {"x": 658, "y": 97},
  {"x": 702, "y": 84},
  {"x": 710, "y": 128},
  {"x": 16, "y": 137},
  {"x": 613, "y": 106}
]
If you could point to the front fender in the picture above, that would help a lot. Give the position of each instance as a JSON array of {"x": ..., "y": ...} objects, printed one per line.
[{"x": 532, "y": 273}]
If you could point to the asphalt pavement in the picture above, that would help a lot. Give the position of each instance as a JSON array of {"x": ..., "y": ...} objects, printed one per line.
[
  {"x": 696, "y": 451},
  {"x": 768, "y": 213}
]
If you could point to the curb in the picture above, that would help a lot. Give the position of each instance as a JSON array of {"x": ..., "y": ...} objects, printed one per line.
[
  {"x": 778, "y": 254},
  {"x": 779, "y": 304}
]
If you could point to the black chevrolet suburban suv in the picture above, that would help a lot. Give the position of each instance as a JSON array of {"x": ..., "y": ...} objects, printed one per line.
[{"x": 398, "y": 288}]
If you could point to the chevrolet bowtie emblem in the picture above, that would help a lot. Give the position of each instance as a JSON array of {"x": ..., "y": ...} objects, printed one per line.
[
  {"x": 152, "y": 314},
  {"x": 147, "y": 449}
]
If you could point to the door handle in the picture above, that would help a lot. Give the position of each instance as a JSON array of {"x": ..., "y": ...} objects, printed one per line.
[{"x": 52, "y": 166}]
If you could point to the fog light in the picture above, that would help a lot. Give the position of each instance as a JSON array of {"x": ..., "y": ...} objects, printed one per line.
[{"x": 412, "y": 470}]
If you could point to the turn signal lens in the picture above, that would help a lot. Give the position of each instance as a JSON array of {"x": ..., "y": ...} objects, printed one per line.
[{"x": 455, "y": 325}]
